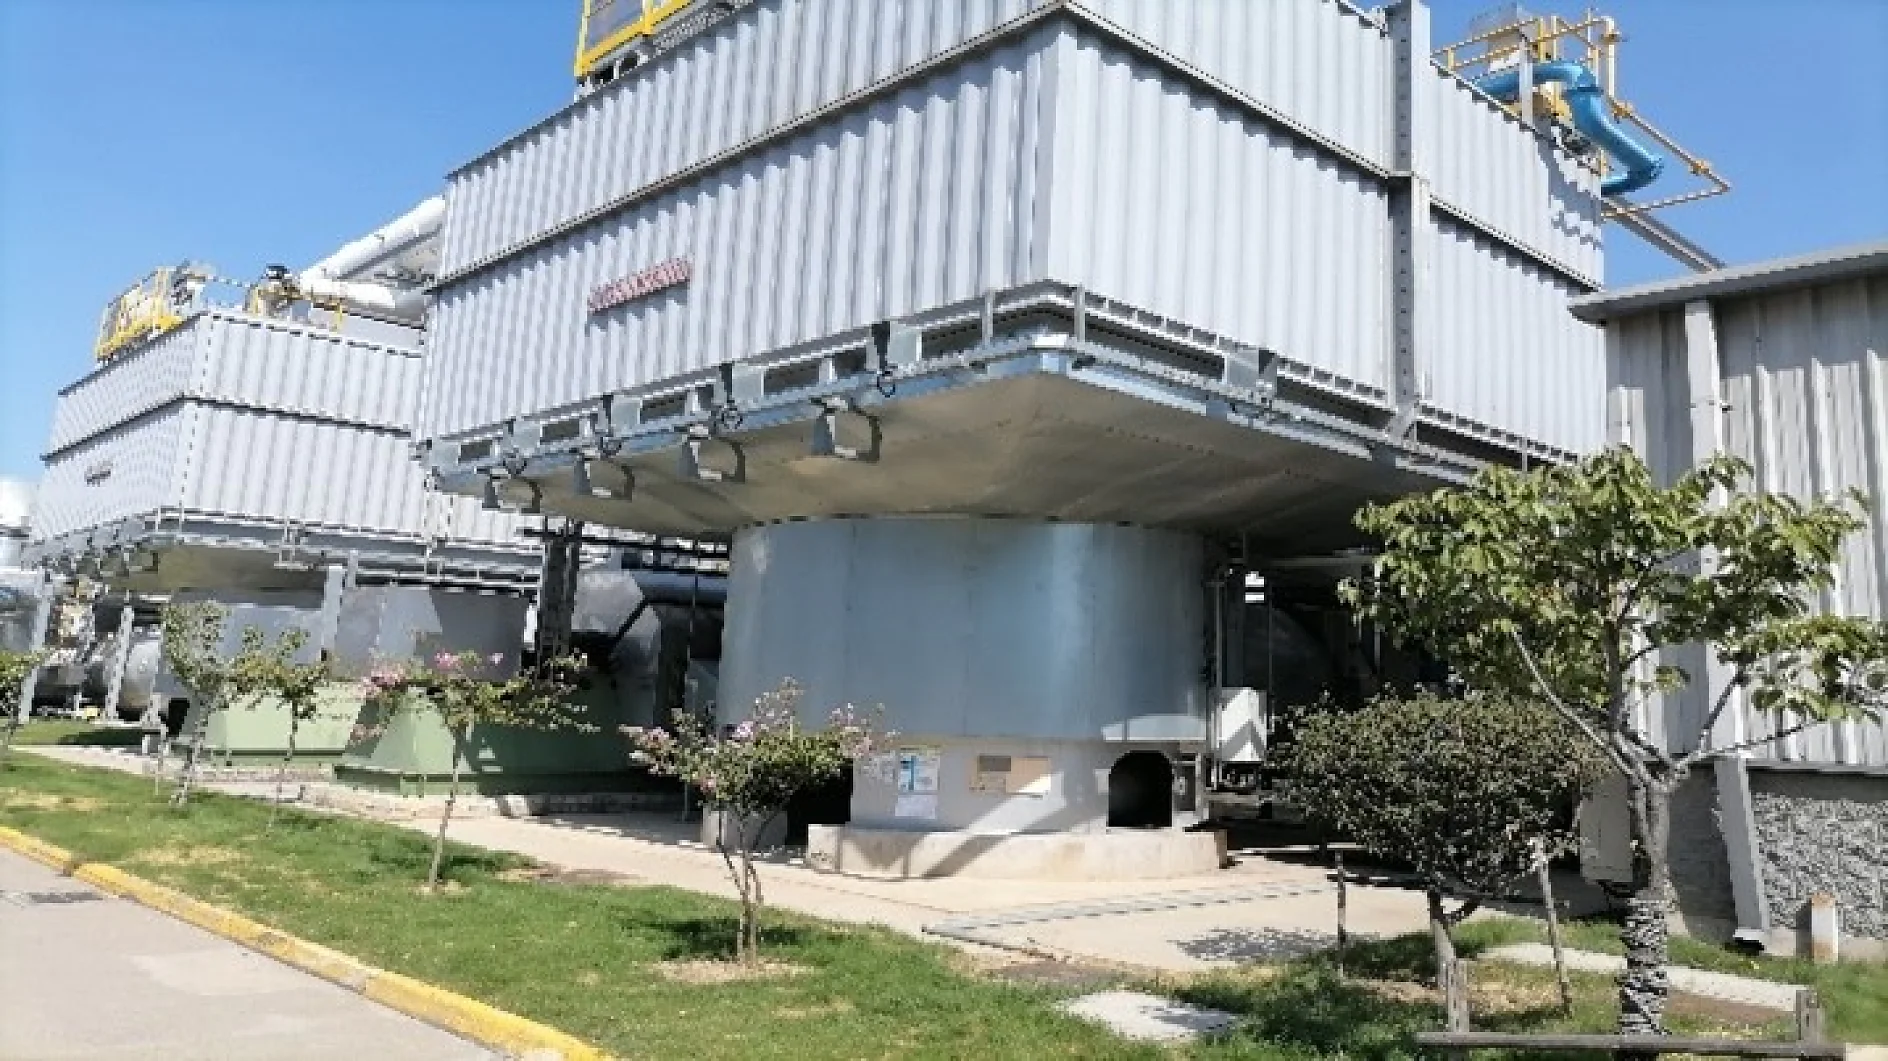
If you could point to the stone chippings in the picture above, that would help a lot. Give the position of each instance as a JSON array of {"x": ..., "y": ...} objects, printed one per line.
[{"x": 1825, "y": 834}]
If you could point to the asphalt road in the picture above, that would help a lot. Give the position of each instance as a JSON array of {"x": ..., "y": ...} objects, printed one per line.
[{"x": 85, "y": 975}]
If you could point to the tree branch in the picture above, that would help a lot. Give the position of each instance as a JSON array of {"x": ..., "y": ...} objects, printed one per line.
[
  {"x": 1561, "y": 707},
  {"x": 1701, "y": 749},
  {"x": 1742, "y": 746}
]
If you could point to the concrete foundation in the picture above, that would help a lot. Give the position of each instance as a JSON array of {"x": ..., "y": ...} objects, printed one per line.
[{"x": 1136, "y": 854}]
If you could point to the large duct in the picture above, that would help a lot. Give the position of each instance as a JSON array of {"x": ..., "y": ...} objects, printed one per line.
[{"x": 340, "y": 277}]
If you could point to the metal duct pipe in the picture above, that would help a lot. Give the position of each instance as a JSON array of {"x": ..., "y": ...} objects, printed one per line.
[
  {"x": 1591, "y": 116},
  {"x": 405, "y": 304},
  {"x": 418, "y": 224}
]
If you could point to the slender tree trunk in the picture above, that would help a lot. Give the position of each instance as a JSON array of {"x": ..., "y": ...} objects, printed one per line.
[
  {"x": 288, "y": 758},
  {"x": 13, "y": 726},
  {"x": 1440, "y": 937},
  {"x": 1645, "y": 985},
  {"x": 459, "y": 739},
  {"x": 1543, "y": 866},
  {"x": 735, "y": 874},
  {"x": 193, "y": 757}
]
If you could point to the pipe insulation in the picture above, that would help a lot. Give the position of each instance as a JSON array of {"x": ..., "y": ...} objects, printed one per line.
[
  {"x": 400, "y": 303},
  {"x": 1592, "y": 116},
  {"x": 421, "y": 223}
]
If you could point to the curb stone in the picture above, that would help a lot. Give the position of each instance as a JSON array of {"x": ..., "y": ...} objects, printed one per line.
[{"x": 486, "y": 1025}]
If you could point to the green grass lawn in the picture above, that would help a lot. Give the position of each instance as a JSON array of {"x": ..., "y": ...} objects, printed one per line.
[
  {"x": 593, "y": 959},
  {"x": 75, "y": 731}
]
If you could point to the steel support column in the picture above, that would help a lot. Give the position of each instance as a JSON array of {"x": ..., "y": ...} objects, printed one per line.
[{"x": 1412, "y": 219}]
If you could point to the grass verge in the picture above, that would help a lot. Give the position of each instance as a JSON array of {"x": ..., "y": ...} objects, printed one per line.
[
  {"x": 76, "y": 731},
  {"x": 622, "y": 966}
]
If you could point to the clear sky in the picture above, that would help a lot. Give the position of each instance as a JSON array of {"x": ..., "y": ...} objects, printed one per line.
[{"x": 136, "y": 133}]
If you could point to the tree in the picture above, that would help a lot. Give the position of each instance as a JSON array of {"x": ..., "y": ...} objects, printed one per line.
[
  {"x": 1468, "y": 792},
  {"x": 750, "y": 773},
  {"x": 192, "y": 647},
  {"x": 463, "y": 690},
  {"x": 15, "y": 667},
  {"x": 270, "y": 672},
  {"x": 1579, "y": 583}
]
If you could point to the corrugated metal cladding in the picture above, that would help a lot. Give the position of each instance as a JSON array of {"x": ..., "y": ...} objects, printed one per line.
[
  {"x": 1317, "y": 62},
  {"x": 1804, "y": 395},
  {"x": 921, "y": 197},
  {"x": 254, "y": 361},
  {"x": 142, "y": 456},
  {"x": 254, "y": 465},
  {"x": 1500, "y": 347},
  {"x": 770, "y": 64},
  {"x": 1174, "y": 201},
  {"x": 1064, "y": 153},
  {"x": 1492, "y": 167}
]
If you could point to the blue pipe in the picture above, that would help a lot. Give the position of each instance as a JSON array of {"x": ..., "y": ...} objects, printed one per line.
[{"x": 1591, "y": 116}]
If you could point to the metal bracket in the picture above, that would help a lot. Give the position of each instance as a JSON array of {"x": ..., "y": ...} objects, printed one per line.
[
  {"x": 584, "y": 483},
  {"x": 693, "y": 468},
  {"x": 826, "y": 432}
]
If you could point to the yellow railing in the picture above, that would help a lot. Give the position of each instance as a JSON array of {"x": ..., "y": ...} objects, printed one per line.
[
  {"x": 146, "y": 310},
  {"x": 1593, "y": 41},
  {"x": 652, "y": 14}
]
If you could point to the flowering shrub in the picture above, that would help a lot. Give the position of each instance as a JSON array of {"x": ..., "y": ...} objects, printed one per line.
[
  {"x": 14, "y": 668},
  {"x": 751, "y": 770},
  {"x": 465, "y": 690}
]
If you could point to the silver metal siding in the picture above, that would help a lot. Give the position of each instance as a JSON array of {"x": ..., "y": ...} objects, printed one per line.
[
  {"x": 1174, "y": 201},
  {"x": 143, "y": 454},
  {"x": 1491, "y": 167},
  {"x": 1500, "y": 347},
  {"x": 297, "y": 369},
  {"x": 126, "y": 387},
  {"x": 769, "y": 64},
  {"x": 919, "y": 198},
  {"x": 1806, "y": 402},
  {"x": 256, "y": 464},
  {"x": 1315, "y": 61}
]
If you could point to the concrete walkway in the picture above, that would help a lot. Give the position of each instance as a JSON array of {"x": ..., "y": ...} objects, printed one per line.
[
  {"x": 84, "y": 975},
  {"x": 1723, "y": 986}
]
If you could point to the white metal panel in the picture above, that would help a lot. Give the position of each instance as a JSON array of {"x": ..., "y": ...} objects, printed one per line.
[
  {"x": 142, "y": 455},
  {"x": 302, "y": 369},
  {"x": 1315, "y": 61},
  {"x": 126, "y": 387},
  {"x": 1805, "y": 401},
  {"x": 1492, "y": 167},
  {"x": 765, "y": 66},
  {"x": 266, "y": 466},
  {"x": 1177, "y": 202},
  {"x": 1500, "y": 348},
  {"x": 922, "y": 197}
]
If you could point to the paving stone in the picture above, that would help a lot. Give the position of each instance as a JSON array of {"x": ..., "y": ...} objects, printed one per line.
[{"x": 1151, "y": 1018}]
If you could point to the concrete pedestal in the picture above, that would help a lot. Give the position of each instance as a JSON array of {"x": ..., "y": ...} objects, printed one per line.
[{"x": 1115, "y": 854}]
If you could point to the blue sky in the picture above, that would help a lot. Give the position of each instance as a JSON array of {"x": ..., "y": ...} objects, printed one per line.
[{"x": 241, "y": 134}]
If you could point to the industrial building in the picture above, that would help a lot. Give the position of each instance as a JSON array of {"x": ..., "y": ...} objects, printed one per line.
[
  {"x": 1021, "y": 346},
  {"x": 1779, "y": 364}
]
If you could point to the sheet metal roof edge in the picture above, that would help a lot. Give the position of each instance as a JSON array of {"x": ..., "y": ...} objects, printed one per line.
[{"x": 1819, "y": 267}]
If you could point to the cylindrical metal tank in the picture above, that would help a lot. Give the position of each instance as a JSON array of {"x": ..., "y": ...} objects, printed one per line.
[
  {"x": 961, "y": 627},
  {"x": 1052, "y": 648},
  {"x": 140, "y": 678}
]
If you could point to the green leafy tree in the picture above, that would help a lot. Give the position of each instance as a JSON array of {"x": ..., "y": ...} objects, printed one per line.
[
  {"x": 1469, "y": 792},
  {"x": 1574, "y": 583},
  {"x": 750, "y": 773},
  {"x": 269, "y": 672},
  {"x": 15, "y": 668},
  {"x": 465, "y": 691}
]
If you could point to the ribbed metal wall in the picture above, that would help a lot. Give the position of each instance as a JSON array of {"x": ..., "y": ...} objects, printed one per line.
[
  {"x": 1490, "y": 166},
  {"x": 127, "y": 386},
  {"x": 920, "y": 198},
  {"x": 1805, "y": 400},
  {"x": 769, "y": 64},
  {"x": 144, "y": 457},
  {"x": 1317, "y": 62},
  {"x": 1177, "y": 202},
  {"x": 257, "y": 419},
  {"x": 1500, "y": 347}
]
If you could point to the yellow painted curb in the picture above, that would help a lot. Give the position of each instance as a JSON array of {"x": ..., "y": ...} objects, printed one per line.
[{"x": 483, "y": 1024}]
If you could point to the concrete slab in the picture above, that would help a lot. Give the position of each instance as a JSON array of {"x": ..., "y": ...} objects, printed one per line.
[
  {"x": 86, "y": 976},
  {"x": 1150, "y": 1018},
  {"x": 1747, "y": 990}
]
